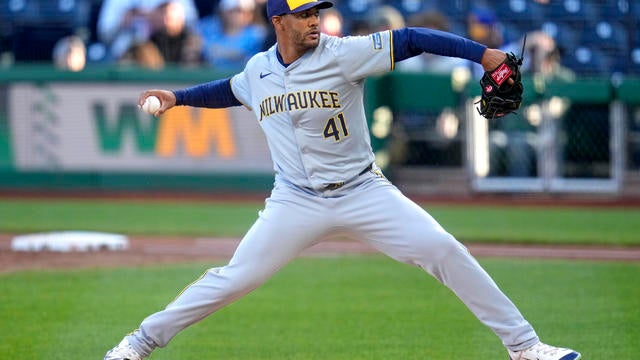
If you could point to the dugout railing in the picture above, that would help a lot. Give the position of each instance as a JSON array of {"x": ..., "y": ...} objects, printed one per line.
[
  {"x": 580, "y": 136},
  {"x": 567, "y": 137}
]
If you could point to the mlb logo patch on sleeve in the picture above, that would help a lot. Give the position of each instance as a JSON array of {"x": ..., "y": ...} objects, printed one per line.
[{"x": 377, "y": 41}]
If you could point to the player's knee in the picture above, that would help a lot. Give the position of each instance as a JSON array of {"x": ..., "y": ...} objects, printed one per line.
[
  {"x": 442, "y": 251},
  {"x": 442, "y": 245},
  {"x": 234, "y": 282},
  {"x": 453, "y": 246}
]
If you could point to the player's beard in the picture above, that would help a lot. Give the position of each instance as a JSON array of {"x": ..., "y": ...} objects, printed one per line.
[{"x": 305, "y": 41}]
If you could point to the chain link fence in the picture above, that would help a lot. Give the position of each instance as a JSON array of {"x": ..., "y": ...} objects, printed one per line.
[
  {"x": 633, "y": 138},
  {"x": 567, "y": 137}
]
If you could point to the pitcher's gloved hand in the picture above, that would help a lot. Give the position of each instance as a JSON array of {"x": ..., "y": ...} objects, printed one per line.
[{"x": 500, "y": 95}]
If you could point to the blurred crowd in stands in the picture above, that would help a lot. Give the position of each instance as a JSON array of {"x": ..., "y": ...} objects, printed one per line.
[{"x": 565, "y": 37}]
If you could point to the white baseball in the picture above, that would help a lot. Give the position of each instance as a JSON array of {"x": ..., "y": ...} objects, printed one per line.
[{"x": 151, "y": 104}]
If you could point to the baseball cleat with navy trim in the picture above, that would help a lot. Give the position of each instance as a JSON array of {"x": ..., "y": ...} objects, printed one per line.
[
  {"x": 541, "y": 351},
  {"x": 123, "y": 351}
]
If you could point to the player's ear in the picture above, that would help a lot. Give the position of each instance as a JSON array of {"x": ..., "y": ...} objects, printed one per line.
[{"x": 276, "y": 21}]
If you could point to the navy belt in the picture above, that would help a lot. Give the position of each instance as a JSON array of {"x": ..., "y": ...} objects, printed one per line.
[{"x": 338, "y": 185}]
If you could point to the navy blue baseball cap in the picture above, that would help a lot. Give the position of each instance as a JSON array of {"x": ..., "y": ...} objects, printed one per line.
[{"x": 281, "y": 7}]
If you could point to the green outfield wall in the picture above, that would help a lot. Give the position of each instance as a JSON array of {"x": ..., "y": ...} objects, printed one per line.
[{"x": 83, "y": 131}]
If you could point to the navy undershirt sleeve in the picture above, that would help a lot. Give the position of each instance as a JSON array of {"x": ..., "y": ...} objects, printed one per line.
[
  {"x": 215, "y": 94},
  {"x": 412, "y": 41}
]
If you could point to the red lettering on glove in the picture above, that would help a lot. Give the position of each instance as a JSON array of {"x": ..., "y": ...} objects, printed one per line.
[{"x": 501, "y": 74}]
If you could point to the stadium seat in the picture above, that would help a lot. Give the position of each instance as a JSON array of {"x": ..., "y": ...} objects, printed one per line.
[
  {"x": 206, "y": 7},
  {"x": 6, "y": 28},
  {"x": 457, "y": 26},
  {"x": 523, "y": 11},
  {"x": 356, "y": 9},
  {"x": 634, "y": 9},
  {"x": 565, "y": 36},
  {"x": 620, "y": 64},
  {"x": 36, "y": 25},
  {"x": 634, "y": 61},
  {"x": 94, "y": 14},
  {"x": 587, "y": 61},
  {"x": 50, "y": 12},
  {"x": 610, "y": 32},
  {"x": 614, "y": 9},
  {"x": 455, "y": 9},
  {"x": 514, "y": 30},
  {"x": 410, "y": 7},
  {"x": 36, "y": 43},
  {"x": 577, "y": 11},
  {"x": 609, "y": 37}
]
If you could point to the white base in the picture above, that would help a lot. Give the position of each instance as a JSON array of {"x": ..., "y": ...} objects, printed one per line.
[{"x": 67, "y": 241}]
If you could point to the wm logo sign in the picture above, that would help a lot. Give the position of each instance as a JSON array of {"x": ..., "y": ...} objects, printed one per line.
[{"x": 180, "y": 131}]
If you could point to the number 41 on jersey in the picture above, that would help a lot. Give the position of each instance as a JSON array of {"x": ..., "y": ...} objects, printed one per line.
[{"x": 336, "y": 128}]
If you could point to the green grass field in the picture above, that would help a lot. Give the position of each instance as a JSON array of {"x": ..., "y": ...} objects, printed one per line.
[
  {"x": 365, "y": 307},
  {"x": 568, "y": 225},
  {"x": 351, "y": 307}
]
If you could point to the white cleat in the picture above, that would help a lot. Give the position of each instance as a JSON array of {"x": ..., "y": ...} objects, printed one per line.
[
  {"x": 542, "y": 351},
  {"x": 123, "y": 351}
]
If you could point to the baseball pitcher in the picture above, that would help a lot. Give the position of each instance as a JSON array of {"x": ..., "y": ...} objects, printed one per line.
[{"x": 306, "y": 93}]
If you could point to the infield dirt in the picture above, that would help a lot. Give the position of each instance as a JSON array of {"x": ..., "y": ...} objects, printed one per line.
[{"x": 152, "y": 251}]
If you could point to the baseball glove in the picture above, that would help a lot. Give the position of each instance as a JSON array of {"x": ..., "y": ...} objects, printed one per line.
[{"x": 499, "y": 95}]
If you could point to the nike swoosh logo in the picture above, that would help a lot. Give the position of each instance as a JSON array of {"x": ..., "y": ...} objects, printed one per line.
[{"x": 262, "y": 76}]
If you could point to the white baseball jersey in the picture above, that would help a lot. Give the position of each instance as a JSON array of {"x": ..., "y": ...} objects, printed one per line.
[{"x": 312, "y": 110}]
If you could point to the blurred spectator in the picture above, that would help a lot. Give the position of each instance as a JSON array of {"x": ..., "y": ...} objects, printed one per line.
[
  {"x": 513, "y": 143},
  {"x": 260, "y": 13},
  {"x": 144, "y": 54},
  {"x": 176, "y": 43},
  {"x": 377, "y": 18},
  {"x": 124, "y": 24},
  {"x": 31, "y": 28},
  {"x": 541, "y": 57},
  {"x": 263, "y": 20},
  {"x": 483, "y": 27},
  {"x": 385, "y": 17},
  {"x": 233, "y": 36},
  {"x": 436, "y": 20},
  {"x": 331, "y": 22},
  {"x": 69, "y": 53},
  {"x": 359, "y": 27}
]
